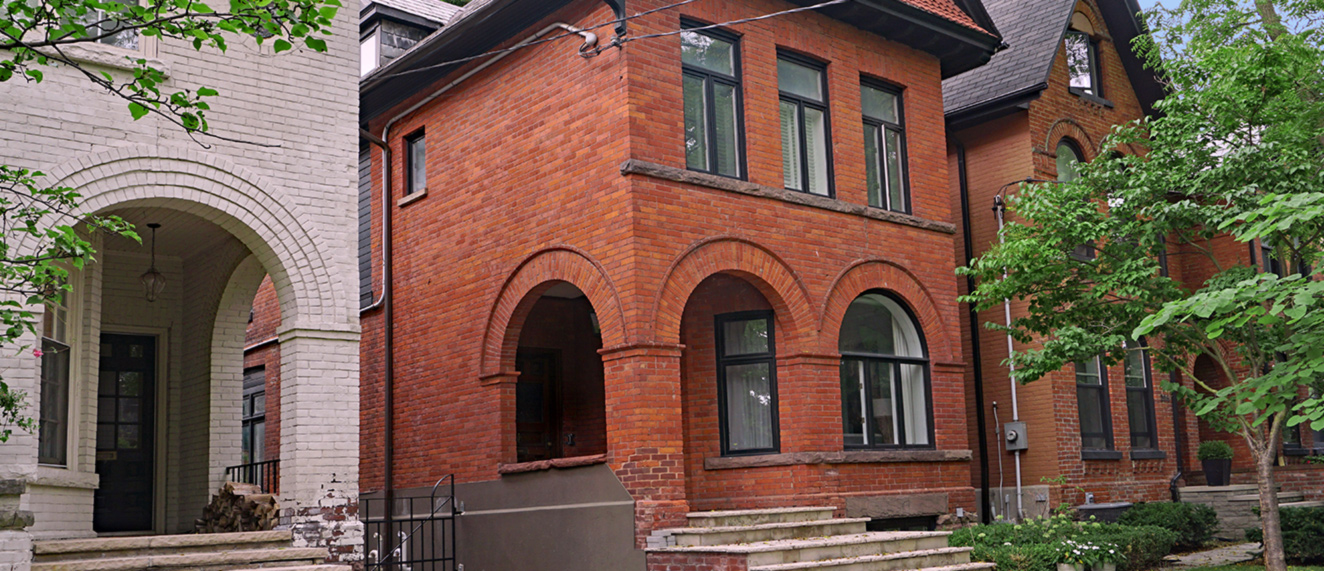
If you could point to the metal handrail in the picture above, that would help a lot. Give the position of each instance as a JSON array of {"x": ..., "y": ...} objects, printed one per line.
[
  {"x": 265, "y": 475},
  {"x": 404, "y": 541}
]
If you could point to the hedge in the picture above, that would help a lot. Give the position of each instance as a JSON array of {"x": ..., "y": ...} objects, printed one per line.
[
  {"x": 1194, "y": 523},
  {"x": 1303, "y": 535}
]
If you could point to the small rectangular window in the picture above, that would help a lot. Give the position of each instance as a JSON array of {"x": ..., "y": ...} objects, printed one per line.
[
  {"x": 369, "y": 53},
  {"x": 885, "y": 147},
  {"x": 1083, "y": 63},
  {"x": 1140, "y": 399},
  {"x": 746, "y": 383},
  {"x": 805, "y": 132},
  {"x": 710, "y": 61},
  {"x": 53, "y": 422},
  {"x": 1092, "y": 402},
  {"x": 105, "y": 25},
  {"x": 416, "y": 174}
]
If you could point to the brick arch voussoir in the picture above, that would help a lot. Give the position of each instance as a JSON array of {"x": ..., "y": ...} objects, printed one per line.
[
  {"x": 743, "y": 258},
  {"x": 532, "y": 277},
  {"x": 866, "y": 275},
  {"x": 255, "y": 210}
]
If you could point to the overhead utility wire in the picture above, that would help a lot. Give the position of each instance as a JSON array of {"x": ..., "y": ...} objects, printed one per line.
[
  {"x": 542, "y": 41},
  {"x": 618, "y": 41}
]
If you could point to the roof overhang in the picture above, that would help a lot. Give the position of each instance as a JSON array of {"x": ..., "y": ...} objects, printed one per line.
[
  {"x": 1125, "y": 26},
  {"x": 985, "y": 111},
  {"x": 957, "y": 47}
]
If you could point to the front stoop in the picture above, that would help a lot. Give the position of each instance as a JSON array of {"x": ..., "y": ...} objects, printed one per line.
[
  {"x": 805, "y": 538},
  {"x": 260, "y": 550}
]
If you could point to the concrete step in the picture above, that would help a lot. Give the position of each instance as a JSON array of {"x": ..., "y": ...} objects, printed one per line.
[
  {"x": 820, "y": 548},
  {"x": 1283, "y": 497},
  {"x": 113, "y": 547},
  {"x": 322, "y": 567},
  {"x": 1310, "y": 504},
  {"x": 687, "y": 536},
  {"x": 729, "y": 518},
  {"x": 907, "y": 560},
  {"x": 206, "y": 561}
]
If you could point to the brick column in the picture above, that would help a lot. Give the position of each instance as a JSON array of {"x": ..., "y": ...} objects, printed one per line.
[
  {"x": 319, "y": 440},
  {"x": 504, "y": 384},
  {"x": 15, "y": 541},
  {"x": 808, "y": 384},
  {"x": 645, "y": 438}
]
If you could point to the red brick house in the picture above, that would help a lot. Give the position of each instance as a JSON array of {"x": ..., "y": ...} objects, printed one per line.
[
  {"x": 1088, "y": 433},
  {"x": 698, "y": 270}
]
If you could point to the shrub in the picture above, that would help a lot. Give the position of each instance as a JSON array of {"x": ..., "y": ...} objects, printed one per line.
[
  {"x": 1303, "y": 529},
  {"x": 1214, "y": 450},
  {"x": 1036, "y": 544},
  {"x": 1194, "y": 523}
]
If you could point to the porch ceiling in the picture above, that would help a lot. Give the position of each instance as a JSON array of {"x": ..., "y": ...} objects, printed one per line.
[{"x": 181, "y": 234}]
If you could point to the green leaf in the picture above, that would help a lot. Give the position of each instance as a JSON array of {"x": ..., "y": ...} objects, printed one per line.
[
  {"x": 137, "y": 110},
  {"x": 281, "y": 45}
]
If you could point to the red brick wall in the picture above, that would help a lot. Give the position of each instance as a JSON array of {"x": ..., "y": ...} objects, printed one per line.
[
  {"x": 525, "y": 187},
  {"x": 696, "y": 562},
  {"x": 266, "y": 319}
]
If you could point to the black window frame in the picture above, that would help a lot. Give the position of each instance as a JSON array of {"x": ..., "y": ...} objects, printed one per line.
[
  {"x": 896, "y": 361},
  {"x": 416, "y": 137},
  {"x": 710, "y": 77},
  {"x": 1083, "y": 252},
  {"x": 1147, "y": 395},
  {"x": 900, "y": 128},
  {"x": 1109, "y": 452},
  {"x": 1096, "y": 71},
  {"x": 824, "y": 107},
  {"x": 249, "y": 419},
  {"x": 724, "y": 361}
]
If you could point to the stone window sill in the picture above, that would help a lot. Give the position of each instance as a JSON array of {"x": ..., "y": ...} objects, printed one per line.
[
  {"x": 1095, "y": 99},
  {"x": 837, "y": 457},
  {"x": 1148, "y": 455},
  {"x": 1100, "y": 455},
  {"x": 544, "y": 465},
  {"x": 112, "y": 57},
  {"x": 60, "y": 477},
  {"x": 738, "y": 186},
  {"x": 411, "y": 198}
]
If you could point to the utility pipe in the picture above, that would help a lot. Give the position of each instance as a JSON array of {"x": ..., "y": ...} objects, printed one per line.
[
  {"x": 385, "y": 301},
  {"x": 1000, "y": 209}
]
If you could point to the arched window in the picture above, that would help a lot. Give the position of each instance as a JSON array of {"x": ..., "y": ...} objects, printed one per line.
[
  {"x": 884, "y": 376},
  {"x": 1068, "y": 156}
]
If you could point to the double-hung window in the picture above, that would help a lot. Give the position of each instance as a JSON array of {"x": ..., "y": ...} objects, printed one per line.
[
  {"x": 884, "y": 376},
  {"x": 885, "y": 147},
  {"x": 416, "y": 162},
  {"x": 1140, "y": 397},
  {"x": 746, "y": 383},
  {"x": 710, "y": 61},
  {"x": 370, "y": 49},
  {"x": 806, "y": 159},
  {"x": 254, "y": 419},
  {"x": 1083, "y": 64},
  {"x": 105, "y": 26},
  {"x": 1069, "y": 156},
  {"x": 1092, "y": 401},
  {"x": 53, "y": 425}
]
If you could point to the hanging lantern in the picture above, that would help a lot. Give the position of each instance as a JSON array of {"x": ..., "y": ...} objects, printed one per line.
[{"x": 153, "y": 281}]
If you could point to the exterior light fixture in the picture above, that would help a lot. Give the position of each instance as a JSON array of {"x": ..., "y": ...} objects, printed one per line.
[{"x": 153, "y": 281}]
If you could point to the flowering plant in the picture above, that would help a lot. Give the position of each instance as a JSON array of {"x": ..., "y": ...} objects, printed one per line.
[{"x": 1088, "y": 552}]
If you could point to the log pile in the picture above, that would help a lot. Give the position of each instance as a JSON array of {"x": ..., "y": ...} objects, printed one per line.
[{"x": 239, "y": 507}]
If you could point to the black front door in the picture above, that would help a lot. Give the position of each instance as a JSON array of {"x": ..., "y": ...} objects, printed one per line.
[
  {"x": 537, "y": 406},
  {"x": 125, "y": 427}
]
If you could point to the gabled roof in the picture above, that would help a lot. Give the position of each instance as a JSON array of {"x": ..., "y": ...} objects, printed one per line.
[
  {"x": 1033, "y": 31},
  {"x": 436, "y": 11},
  {"x": 958, "y": 32}
]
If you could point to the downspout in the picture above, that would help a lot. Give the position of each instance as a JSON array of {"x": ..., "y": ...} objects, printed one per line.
[
  {"x": 385, "y": 301},
  {"x": 1000, "y": 210},
  {"x": 985, "y": 503}
]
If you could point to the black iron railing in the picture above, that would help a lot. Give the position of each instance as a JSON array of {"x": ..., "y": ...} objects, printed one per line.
[
  {"x": 416, "y": 534},
  {"x": 265, "y": 475}
]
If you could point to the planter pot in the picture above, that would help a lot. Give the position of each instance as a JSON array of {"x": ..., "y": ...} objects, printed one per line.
[
  {"x": 1099, "y": 567},
  {"x": 1217, "y": 472}
]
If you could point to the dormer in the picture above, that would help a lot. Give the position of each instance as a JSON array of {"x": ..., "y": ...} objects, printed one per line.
[{"x": 389, "y": 28}]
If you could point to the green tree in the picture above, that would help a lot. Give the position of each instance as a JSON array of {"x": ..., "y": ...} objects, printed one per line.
[
  {"x": 36, "y": 36},
  {"x": 1234, "y": 154}
]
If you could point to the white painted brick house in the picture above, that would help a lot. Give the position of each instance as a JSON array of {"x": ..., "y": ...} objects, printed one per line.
[{"x": 230, "y": 214}]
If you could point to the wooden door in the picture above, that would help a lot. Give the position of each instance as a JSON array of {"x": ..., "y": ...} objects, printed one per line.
[
  {"x": 125, "y": 434},
  {"x": 537, "y": 406}
]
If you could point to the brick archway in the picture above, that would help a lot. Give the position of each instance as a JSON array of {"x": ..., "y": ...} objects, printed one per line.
[
  {"x": 739, "y": 257},
  {"x": 866, "y": 275},
  {"x": 533, "y": 276}
]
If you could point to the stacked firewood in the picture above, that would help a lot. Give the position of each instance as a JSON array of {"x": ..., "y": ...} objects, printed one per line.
[{"x": 239, "y": 507}]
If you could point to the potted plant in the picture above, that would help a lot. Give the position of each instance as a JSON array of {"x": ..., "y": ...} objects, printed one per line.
[
  {"x": 1087, "y": 556},
  {"x": 1216, "y": 459}
]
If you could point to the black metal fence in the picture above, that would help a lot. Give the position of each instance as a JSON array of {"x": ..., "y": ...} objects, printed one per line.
[
  {"x": 417, "y": 534},
  {"x": 265, "y": 475}
]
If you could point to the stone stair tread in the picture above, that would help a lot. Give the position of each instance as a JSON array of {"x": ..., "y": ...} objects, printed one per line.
[
  {"x": 762, "y": 511},
  {"x": 234, "y": 557},
  {"x": 1303, "y": 504},
  {"x": 803, "y": 543},
  {"x": 760, "y": 526},
  {"x": 972, "y": 566},
  {"x": 104, "y": 544},
  {"x": 829, "y": 563},
  {"x": 321, "y": 567},
  {"x": 1282, "y": 496}
]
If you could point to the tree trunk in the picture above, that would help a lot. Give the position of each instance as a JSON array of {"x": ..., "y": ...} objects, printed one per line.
[{"x": 1273, "y": 532}]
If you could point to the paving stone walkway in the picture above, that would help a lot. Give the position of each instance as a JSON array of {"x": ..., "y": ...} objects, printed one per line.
[{"x": 1221, "y": 556}]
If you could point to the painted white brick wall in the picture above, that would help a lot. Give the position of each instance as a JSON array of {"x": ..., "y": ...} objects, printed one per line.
[{"x": 293, "y": 205}]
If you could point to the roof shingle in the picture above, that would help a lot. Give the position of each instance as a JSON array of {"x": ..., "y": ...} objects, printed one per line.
[
  {"x": 435, "y": 10},
  {"x": 1033, "y": 30}
]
